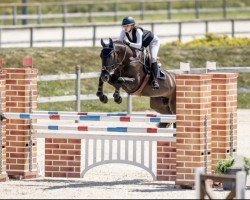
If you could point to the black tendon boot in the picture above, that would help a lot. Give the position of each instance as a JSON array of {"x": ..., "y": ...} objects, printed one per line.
[{"x": 155, "y": 84}]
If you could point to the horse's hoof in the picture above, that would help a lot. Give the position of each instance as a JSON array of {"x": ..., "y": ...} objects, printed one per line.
[
  {"x": 104, "y": 99},
  {"x": 174, "y": 125},
  {"x": 99, "y": 93},
  {"x": 118, "y": 100},
  {"x": 116, "y": 95},
  {"x": 163, "y": 125}
]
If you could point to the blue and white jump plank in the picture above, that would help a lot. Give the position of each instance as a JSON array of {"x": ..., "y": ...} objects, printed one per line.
[{"x": 26, "y": 116}]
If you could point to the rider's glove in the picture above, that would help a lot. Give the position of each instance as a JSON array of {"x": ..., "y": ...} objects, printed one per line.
[{"x": 126, "y": 42}]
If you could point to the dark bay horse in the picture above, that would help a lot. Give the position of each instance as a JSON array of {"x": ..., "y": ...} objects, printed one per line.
[{"x": 124, "y": 67}]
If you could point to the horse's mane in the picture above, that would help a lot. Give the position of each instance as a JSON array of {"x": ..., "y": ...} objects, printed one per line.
[
  {"x": 134, "y": 50},
  {"x": 119, "y": 42}
]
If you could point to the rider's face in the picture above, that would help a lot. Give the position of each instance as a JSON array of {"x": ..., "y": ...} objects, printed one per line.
[{"x": 127, "y": 28}]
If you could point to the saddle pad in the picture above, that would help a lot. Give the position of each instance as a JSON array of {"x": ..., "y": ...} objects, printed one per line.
[{"x": 161, "y": 74}]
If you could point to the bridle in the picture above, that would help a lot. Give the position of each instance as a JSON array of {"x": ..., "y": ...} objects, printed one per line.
[{"x": 115, "y": 65}]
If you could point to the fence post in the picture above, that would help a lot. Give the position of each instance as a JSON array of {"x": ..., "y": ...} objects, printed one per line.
[
  {"x": 39, "y": 13},
  {"x": 94, "y": 35},
  {"x": 63, "y": 36},
  {"x": 224, "y": 4},
  {"x": 129, "y": 104},
  {"x": 180, "y": 31},
  {"x": 152, "y": 27},
  {"x": 89, "y": 11},
  {"x": 197, "y": 9},
  {"x": 31, "y": 37},
  {"x": 142, "y": 10},
  {"x": 169, "y": 10},
  {"x": 115, "y": 11},
  {"x": 14, "y": 12},
  {"x": 64, "y": 11},
  {"x": 206, "y": 26},
  {"x": 24, "y": 12},
  {"x": 232, "y": 21},
  {"x": 78, "y": 89}
]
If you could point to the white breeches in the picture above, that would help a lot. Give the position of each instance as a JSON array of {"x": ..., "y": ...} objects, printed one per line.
[{"x": 154, "y": 48}]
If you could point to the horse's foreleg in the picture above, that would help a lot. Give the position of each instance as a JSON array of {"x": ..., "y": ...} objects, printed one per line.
[
  {"x": 120, "y": 81},
  {"x": 103, "y": 98},
  {"x": 116, "y": 95}
]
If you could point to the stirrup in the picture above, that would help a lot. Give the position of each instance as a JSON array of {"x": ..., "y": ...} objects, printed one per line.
[{"x": 155, "y": 85}]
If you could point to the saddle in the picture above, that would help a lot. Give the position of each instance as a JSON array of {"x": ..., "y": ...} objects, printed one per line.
[{"x": 144, "y": 57}]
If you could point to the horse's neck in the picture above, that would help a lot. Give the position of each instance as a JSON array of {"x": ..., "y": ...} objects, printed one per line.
[{"x": 128, "y": 67}]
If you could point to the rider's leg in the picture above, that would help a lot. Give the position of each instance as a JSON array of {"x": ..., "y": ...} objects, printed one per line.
[{"x": 154, "y": 48}]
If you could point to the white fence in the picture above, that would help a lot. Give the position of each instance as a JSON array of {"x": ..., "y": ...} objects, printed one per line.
[
  {"x": 79, "y": 35},
  {"x": 78, "y": 97},
  {"x": 88, "y": 11}
]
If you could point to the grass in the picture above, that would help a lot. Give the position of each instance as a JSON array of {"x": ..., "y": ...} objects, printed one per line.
[
  {"x": 139, "y": 104},
  {"x": 63, "y": 60}
]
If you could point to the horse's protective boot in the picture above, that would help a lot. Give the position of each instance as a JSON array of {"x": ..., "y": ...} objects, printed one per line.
[{"x": 155, "y": 84}]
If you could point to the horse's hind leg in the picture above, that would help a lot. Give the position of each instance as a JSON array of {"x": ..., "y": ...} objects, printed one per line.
[
  {"x": 172, "y": 106},
  {"x": 117, "y": 97},
  {"x": 161, "y": 105}
]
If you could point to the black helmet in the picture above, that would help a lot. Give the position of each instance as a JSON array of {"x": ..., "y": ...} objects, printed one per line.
[{"x": 128, "y": 21}]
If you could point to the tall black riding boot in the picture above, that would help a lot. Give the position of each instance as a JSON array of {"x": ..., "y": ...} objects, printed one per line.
[{"x": 155, "y": 84}]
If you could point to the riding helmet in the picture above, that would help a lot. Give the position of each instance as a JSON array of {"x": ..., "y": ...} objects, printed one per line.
[{"x": 128, "y": 21}]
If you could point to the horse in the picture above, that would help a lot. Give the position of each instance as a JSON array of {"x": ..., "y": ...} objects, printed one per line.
[{"x": 127, "y": 68}]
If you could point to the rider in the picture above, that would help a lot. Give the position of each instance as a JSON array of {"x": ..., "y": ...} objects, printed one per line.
[{"x": 137, "y": 37}]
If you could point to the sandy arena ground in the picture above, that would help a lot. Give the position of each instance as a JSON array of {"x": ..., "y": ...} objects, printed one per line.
[{"x": 116, "y": 181}]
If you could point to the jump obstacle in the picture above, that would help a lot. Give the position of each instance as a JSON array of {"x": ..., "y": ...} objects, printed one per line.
[
  {"x": 206, "y": 132},
  {"x": 108, "y": 140}
]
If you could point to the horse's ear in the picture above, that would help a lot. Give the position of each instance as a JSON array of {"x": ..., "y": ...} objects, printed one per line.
[
  {"x": 111, "y": 43},
  {"x": 102, "y": 43}
]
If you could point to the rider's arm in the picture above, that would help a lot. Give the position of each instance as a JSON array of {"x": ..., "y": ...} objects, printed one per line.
[
  {"x": 122, "y": 36},
  {"x": 138, "y": 44}
]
